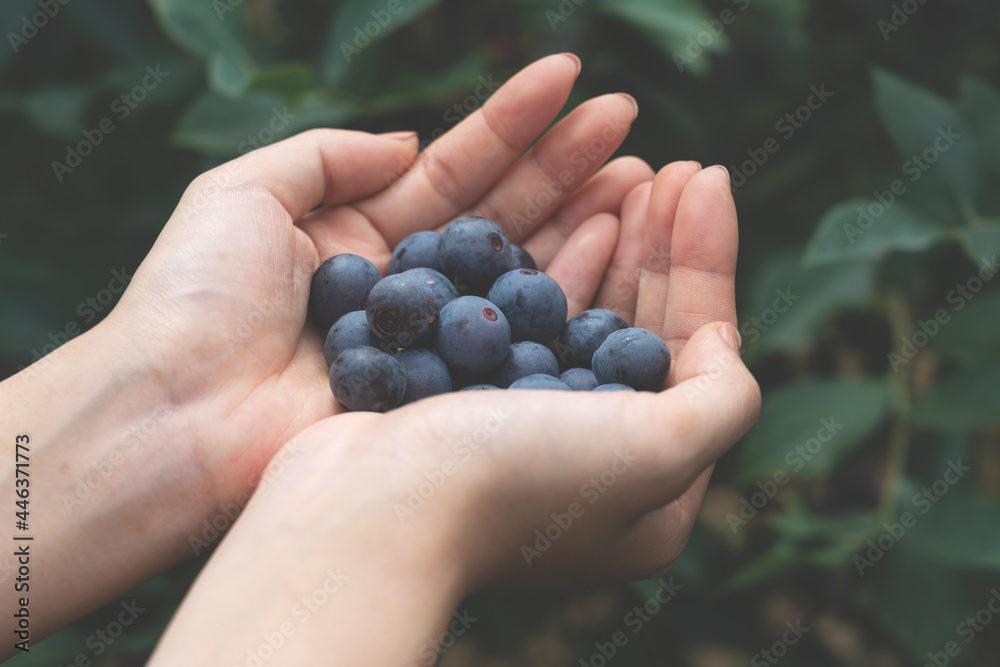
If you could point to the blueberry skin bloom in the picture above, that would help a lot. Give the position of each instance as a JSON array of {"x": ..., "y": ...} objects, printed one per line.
[
  {"x": 613, "y": 386},
  {"x": 426, "y": 374},
  {"x": 473, "y": 335},
  {"x": 540, "y": 381},
  {"x": 416, "y": 250},
  {"x": 340, "y": 285},
  {"x": 479, "y": 387},
  {"x": 584, "y": 333},
  {"x": 580, "y": 379},
  {"x": 402, "y": 310},
  {"x": 533, "y": 302},
  {"x": 635, "y": 357},
  {"x": 444, "y": 291},
  {"x": 351, "y": 330},
  {"x": 525, "y": 358},
  {"x": 474, "y": 252},
  {"x": 367, "y": 379}
]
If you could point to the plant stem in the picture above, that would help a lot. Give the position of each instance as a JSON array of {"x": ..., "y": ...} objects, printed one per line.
[{"x": 900, "y": 322}]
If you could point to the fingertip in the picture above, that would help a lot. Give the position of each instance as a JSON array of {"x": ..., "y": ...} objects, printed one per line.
[
  {"x": 575, "y": 60},
  {"x": 632, "y": 168},
  {"x": 632, "y": 103},
  {"x": 729, "y": 333}
]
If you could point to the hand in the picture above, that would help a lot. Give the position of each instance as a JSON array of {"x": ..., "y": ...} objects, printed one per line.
[
  {"x": 673, "y": 272},
  {"x": 165, "y": 414},
  {"x": 222, "y": 296},
  {"x": 419, "y": 507}
]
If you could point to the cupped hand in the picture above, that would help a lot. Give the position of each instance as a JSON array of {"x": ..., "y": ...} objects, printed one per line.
[
  {"x": 380, "y": 524},
  {"x": 531, "y": 486},
  {"x": 221, "y": 300}
]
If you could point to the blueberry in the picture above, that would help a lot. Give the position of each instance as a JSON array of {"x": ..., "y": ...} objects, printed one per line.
[
  {"x": 444, "y": 291},
  {"x": 479, "y": 387},
  {"x": 416, "y": 250},
  {"x": 540, "y": 381},
  {"x": 340, "y": 285},
  {"x": 473, "y": 335},
  {"x": 583, "y": 334},
  {"x": 426, "y": 374},
  {"x": 525, "y": 358},
  {"x": 636, "y": 357},
  {"x": 579, "y": 379},
  {"x": 522, "y": 259},
  {"x": 474, "y": 252},
  {"x": 533, "y": 302},
  {"x": 402, "y": 310},
  {"x": 351, "y": 330},
  {"x": 364, "y": 378},
  {"x": 613, "y": 386}
]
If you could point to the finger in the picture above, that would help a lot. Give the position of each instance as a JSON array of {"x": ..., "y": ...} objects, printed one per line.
[
  {"x": 621, "y": 283},
  {"x": 457, "y": 169},
  {"x": 317, "y": 167},
  {"x": 581, "y": 262},
  {"x": 558, "y": 165},
  {"x": 603, "y": 193},
  {"x": 654, "y": 275},
  {"x": 702, "y": 258}
]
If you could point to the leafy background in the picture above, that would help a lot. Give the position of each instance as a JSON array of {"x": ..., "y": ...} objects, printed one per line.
[{"x": 827, "y": 356}]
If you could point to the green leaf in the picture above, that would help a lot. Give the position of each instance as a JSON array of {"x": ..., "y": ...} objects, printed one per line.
[
  {"x": 816, "y": 294},
  {"x": 967, "y": 401},
  {"x": 920, "y": 123},
  {"x": 113, "y": 25},
  {"x": 918, "y": 600},
  {"x": 970, "y": 333},
  {"x": 216, "y": 125},
  {"x": 12, "y": 15},
  {"x": 227, "y": 76},
  {"x": 959, "y": 530},
  {"x": 289, "y": 79},
  {"x": 358, "y": 25},
  {"x": 850, "y": 232},
  {"x": 673, "y": 27},
  {"x": 979, "y": 105},
  {"x": 177, "y": 75},
  {"x": 981, "y": 241},
  {"x": 807, "y": 427},
  {"x": 198, "y": 27},
  {"x": 779, "y": 559},
  {"x": 58, "y": 111},
  {"x": 408, "y": 89}
]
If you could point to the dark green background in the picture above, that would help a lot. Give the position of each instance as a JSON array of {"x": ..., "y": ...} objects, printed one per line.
[{"x": 826, "y": 356}]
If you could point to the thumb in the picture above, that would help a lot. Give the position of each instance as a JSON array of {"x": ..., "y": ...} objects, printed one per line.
[{"x": 318, "y": 167}]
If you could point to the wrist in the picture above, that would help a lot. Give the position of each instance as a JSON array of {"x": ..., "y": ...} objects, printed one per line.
[
  {"x": 333, "y": 570},
  {"x": 107, "y": 486}
]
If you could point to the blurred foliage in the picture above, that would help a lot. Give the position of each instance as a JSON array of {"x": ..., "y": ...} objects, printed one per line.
[{"x": 864, "y": 317}]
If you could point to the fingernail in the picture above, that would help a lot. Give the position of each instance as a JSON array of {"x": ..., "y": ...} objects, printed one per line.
[
  {"x": 719, "y": 166},
  {"x": 731, "y": 336},
  {"x": 696, "y": 163},
  {"x": 399, "y": 136},
  {"x": 631, "y": 100},
  {"x": 576, "y": 60}
]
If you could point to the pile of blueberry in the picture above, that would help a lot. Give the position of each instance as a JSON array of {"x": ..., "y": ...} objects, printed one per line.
[{"x": 494, "y": 325}]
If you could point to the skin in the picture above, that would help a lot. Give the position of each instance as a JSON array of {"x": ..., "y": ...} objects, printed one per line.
[{"x": 206, "y": 371}]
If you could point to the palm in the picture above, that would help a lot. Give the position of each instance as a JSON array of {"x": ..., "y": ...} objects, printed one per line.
[
  {"x": 230, "y": 274},
  {"x": 672, "y": 272}
]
